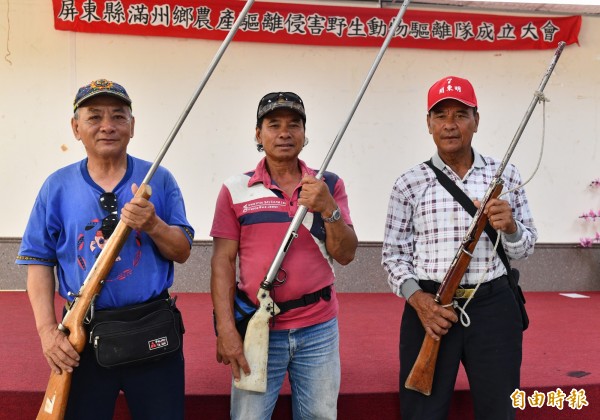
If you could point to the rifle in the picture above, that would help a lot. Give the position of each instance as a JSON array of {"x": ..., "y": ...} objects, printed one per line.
[
  {"x": 57, "y": 393},
  {"x": 55, "y": 400},
  {"x": 420, "y": 378},
  {"x": 256, "y": 340}
]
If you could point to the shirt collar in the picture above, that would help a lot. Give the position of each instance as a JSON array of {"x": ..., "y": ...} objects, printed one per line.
[
  {"x": 478, "y": 161},
  {"x": 262, "y": 175}
]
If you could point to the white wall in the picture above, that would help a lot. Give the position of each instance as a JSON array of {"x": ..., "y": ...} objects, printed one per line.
[{"x": 41, "y": 69}]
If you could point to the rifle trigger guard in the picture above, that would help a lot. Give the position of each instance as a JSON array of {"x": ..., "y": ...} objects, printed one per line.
[
  {"x": 90, "y": 316},
  {"x": 280, "y": 277}
]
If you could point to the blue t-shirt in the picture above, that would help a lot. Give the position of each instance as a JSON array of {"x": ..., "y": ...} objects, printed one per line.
[{"x": 64, "y": 230}]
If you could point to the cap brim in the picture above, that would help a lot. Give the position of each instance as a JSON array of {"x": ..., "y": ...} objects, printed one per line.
[
  {"x": 294, "y": 106},
  {"x": 108, "y": 93},
  {"x": 467, "y": 103}
]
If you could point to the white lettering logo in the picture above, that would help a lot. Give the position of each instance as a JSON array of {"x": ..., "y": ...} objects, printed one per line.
[
  {"x": 158, "y": 343},
  {"x": 262, "y": 205}
]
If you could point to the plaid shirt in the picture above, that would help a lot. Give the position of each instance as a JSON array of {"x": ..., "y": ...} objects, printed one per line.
[{"x": 425, "y": 225}]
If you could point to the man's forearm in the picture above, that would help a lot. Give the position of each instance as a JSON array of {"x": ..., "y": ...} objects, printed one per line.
[
  {"x": 222, "y": 291},
  {"x": 341, "y": 242},
  {"x": 171, "y": 242},
  {"x": 40, "y": 289}
]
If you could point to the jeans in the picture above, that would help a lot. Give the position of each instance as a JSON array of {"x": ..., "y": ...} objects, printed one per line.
[{"x": 311, "y": 357}]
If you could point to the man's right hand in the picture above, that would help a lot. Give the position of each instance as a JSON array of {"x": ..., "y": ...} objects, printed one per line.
[
  {"x": 436, "y": 319},
  {"x": 59, "y": 352},
  {"x": 230, "y": 351}
]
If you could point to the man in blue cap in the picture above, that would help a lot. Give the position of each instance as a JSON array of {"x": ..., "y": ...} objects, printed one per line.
[{"x": 75, "y": 213}]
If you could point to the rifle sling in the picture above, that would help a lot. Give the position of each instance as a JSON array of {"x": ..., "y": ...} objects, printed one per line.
[{"x": 460, "y": 196}]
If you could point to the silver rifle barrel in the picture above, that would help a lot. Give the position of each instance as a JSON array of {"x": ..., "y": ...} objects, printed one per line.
[
  {"x": 498, "y": 175},
  {"x": 192, "y": 101},
  {"x": 174, "y": 132},
  {"x": 536, "y": 98},
  {"x": 292, "y": 231}
]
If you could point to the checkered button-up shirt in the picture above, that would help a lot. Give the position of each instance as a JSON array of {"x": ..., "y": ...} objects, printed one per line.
[{"x": 425, "y": 225}]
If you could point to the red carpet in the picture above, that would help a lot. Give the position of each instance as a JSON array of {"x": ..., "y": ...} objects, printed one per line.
[{"x": 560, "y": 351}]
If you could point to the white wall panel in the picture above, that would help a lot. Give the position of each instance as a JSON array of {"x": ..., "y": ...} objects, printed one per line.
[{"x": 41, "y": 69}]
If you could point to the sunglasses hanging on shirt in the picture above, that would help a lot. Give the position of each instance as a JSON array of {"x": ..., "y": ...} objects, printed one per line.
[{"x": 108, "y": 201}]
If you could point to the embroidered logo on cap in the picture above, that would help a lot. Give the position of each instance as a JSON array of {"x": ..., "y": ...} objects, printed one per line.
[{"x": 450, "y": 88}]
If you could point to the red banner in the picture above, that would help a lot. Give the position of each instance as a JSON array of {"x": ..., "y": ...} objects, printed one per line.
[{"x": 290, "y": 23}]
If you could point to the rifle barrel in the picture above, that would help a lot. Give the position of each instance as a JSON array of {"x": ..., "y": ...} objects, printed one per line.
[
  {"x": 537, "y": 97},
  {"x": 190, "y": 105},
  {"x": 292, "y": 231}
]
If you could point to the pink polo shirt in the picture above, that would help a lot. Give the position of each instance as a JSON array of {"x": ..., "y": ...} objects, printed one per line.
[{"x": 254, "y": 211}]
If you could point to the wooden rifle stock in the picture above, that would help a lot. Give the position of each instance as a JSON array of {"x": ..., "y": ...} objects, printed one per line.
[
  {"x": 420, "y": 378},
  {"x": 55, "y": 400}
]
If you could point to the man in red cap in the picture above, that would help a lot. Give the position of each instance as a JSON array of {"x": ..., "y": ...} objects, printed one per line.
[{"x": 424, "y": 229}]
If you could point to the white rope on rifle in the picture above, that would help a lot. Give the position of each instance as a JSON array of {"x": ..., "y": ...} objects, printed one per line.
[
  {"x": 464, "y": 317},
  {"x": 543, "y": 99}
]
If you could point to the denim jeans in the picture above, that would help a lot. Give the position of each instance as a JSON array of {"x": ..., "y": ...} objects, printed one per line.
[{"x": 311, "y": 357}]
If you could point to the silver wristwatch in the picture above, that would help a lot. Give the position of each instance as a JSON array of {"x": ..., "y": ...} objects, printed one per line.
[{"x": 335, "y": 216}]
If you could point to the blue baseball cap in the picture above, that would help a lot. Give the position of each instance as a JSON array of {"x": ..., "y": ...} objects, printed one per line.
[{"x": 100, "y": 87}]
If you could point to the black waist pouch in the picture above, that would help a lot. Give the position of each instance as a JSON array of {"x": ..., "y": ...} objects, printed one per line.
[
  {"x": 513, "y": 279},
  {"x": 136, "y": 334},
  {"x": 243, "y": 310}
]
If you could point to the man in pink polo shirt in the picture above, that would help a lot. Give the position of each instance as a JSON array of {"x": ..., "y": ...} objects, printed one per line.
[{"x": 252, "y": 215}]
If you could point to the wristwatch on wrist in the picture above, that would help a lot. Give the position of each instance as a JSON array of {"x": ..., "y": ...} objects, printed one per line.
[{"x": 335, "y": 216}]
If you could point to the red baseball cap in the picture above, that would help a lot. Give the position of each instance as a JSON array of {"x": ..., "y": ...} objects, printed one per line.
[{"x": 451, "y": 87}]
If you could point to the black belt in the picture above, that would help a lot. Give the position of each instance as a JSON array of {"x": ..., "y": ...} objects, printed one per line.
[
  {"x": 307, "y": 299},
  {"x": 465, "y": 291},
  {"x": 109, "y": 314}
]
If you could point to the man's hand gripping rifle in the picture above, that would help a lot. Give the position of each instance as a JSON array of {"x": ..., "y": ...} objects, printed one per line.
[{"x": 420, "y": 378}]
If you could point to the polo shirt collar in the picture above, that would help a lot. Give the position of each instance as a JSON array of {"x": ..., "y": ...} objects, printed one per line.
[{"x": 261, "y": 175}]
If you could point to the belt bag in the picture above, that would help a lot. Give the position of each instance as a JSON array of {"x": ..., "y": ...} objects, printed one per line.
[
  {"x": 136, "y": 334},
  {"x": 244, "y": 308}
]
